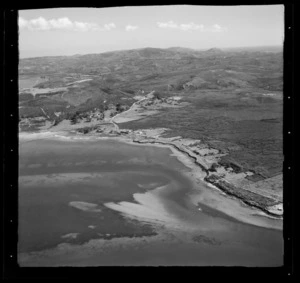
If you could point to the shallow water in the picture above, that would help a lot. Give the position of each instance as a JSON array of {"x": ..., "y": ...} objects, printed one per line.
[
  {"x": 55, "y": 174},
  {"x": 64, "y": 187},
  {"x": 28, "y": 82}
]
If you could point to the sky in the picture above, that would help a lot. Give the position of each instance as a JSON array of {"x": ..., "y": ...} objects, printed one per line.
[{"x": 70, "y": 31}]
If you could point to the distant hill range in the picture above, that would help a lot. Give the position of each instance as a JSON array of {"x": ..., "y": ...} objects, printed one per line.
[
  {"x": 150, "y": 51},
  {"x": 274, "y": 49}
]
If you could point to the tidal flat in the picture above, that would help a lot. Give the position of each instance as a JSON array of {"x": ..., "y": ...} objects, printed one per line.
[{"x": 105, "y": 202}]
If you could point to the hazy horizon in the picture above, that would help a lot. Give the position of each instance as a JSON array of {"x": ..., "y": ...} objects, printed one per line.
[
  {"x": 200, "y": 49},
  {"x": 69, "y": 31}
]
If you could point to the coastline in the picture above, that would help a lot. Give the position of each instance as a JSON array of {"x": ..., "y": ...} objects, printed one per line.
[
  {"x": 208, "y": 194},
  {"x": 199, "y": 235},
  {"x": 230, "y": 205},
  {"x": 260, "y": 195}
]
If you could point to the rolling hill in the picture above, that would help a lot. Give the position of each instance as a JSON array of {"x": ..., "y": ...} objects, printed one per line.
[{"x": 107, "y": 76}]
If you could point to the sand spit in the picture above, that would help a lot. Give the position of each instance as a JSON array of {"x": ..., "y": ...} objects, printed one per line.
[
  {"x": 85, "y": 206},
  {"x": 34, "y": 91},
  {"x": 23, "y": 136},
  {"x": 151, "y": 207},
  {"x": 148, "y": 186},
  {"x": 70, "y": 236},
  {"x": 62, "y": 135},
  {"x": 78, "y": 82}
]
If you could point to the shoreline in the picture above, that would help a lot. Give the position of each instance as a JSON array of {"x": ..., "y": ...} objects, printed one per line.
[
  {"x": 204, "y": 178},
  {"x": 195, "y": 176},
  {"x": 219, "y": 178},
  {"x": 210, "y": 194}
]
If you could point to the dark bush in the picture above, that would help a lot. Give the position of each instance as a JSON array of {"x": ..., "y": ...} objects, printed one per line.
[
  {"x": 213, "y": 167},
  {"x": 157, "y": 95},
  {"x": 118, "y": 107},
  {"x": 85, "y": 130}
]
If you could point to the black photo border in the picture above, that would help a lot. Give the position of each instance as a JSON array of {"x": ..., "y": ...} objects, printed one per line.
[{"x": 10, "y": 120}]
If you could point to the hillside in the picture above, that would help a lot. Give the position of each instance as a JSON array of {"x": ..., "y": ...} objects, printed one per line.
[{"x": 96, "y": 76}]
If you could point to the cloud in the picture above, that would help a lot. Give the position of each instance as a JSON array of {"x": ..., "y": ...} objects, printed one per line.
[
  {"x": 191, "y": 27},
  {"x": 169, "y": 24},
  {"x": 22, "y": 23},
  {"x": 217, "y": 28},
  {"x": 131, "y": 28},
  {"x": 109, "y": 26},
  {"x": 41, "y": 24}
]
